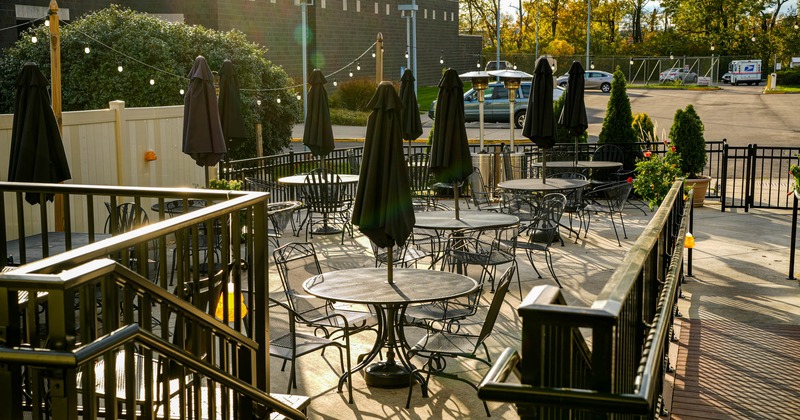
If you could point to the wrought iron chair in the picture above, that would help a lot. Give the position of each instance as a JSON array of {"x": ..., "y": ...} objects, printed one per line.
[
  {"x": 420, "y": 178},
  {"x": 610, "y": 199},
  {"x": 126, "y": 217},
  {"x": 542, "y": 231},
  {"x": 604, "y": 176},
  {"x": 402, "y": 256},
  {"x": 289, "y": 344},
  {"x": 486, "y": 248},
  {"x": 280, "y": 214},
  {"x": 327, "y": 204},
  {"x": 481, "y": 196},
  {"x": 437, "y": 347},
  {"x": 296, "y": 262},
  {"x": 575, "y": 202}
]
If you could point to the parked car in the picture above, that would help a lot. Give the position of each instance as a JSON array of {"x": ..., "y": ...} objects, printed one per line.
[
  {"x": 493, "y": 65},
  {"x": 726, "y": 78},
  {"x": 495, "y": 106},
  {"x": 677, "y": 73},
  {"x": 593, "y": 79}
]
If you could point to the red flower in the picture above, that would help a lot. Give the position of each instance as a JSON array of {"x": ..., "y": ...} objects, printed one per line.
[
  {"x": 630, "y": 180},
  {"x": 672, "y": 149},
  {"x": 666, "y": 142},
  {"x": 647, "y": 153}
]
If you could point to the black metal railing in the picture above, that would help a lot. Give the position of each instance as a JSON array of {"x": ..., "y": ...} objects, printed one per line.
[
  {"x": 758, "y": 176},
  {"x": 629, "y": 326},
  {"x": 191, "y": 257}
]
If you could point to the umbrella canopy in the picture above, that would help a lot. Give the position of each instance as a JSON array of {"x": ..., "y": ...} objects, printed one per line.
[
  {"x": 230, "y": 106},
  {"x": 573, "y": 116},
  {"x": 383, "y": 210},
  {"x": 318, "y": 132},
  {"x": 450, "y": 158},
  {"x": 37, "y": 154},
  {"x": 202, "y": 131},
  {"x": 540, "y": 122},
  {"x": 412, "y": 124}
]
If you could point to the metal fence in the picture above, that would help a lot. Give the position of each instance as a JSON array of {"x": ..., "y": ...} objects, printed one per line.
[{"x": 758, "y": 176}]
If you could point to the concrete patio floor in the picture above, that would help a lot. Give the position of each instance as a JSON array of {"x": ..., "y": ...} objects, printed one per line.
[{"x": 740, "y": 269}]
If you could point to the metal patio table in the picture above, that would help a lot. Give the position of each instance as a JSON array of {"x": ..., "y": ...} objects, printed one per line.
[{"x": 369, "y": 286}]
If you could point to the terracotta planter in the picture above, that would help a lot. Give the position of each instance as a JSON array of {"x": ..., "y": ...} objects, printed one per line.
[{"x": 700, "y": 186}]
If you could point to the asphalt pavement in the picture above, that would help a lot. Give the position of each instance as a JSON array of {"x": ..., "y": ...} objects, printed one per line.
[{"x": 741, "y": 114}]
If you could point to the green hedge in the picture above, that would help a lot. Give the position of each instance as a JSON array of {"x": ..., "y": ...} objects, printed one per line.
[{"x": 789, "y": 77}]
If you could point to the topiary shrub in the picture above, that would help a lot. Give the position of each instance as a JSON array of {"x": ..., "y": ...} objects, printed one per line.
[
  {"x": 354, "y": 94},
  {"x": 644, "y": 127},
  {"x": 686, "y": 134},
  {"x": 617, "y": 125}
]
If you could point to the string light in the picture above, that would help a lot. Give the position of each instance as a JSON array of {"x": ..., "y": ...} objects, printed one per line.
[
  {"x": 335, "y": 83},
  {"x": 119, "y": 69},
  {"x": 358, "y": 66},
  {"x": 279, "y": 100},
  {"x": 258, "y": 101},
  {"x": 47, "y": 22},
  {"x": 182, "y": 92},
  {"x": 152, "y": 82},
  {"x": 34, "y": 39},
  {"x": 515, "y": 66},
  {"x": 299, "y": 97},
  {"x": 631, "y": 62},
  {"x": 441, "y": 58},
  {"x": 373, "y": 53},
  {"x": 671, "y": 56},
  {"x": 753, "y": 38},
  {"x": 406, "y": 54},
  {"x": 351, "y": 72},
  {"x": 478, "y": 64},
  {"x": 86, "y": 50},
  {"x": 591, "y": 65}
]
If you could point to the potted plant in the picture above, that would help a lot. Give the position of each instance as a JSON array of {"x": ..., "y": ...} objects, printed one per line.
[
  {"x": 687, "y": 137},
  {"x": 655, "y": 175}
]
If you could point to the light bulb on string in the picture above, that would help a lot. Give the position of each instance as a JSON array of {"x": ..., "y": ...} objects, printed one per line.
[
  {"x": 753, "y": 38},
  {"x": 299, "y": 97},
  {"x": 119, "y": 69},
  {"x": 631, "y": 62},
  {"x": 87, "y": 50},
  {"x": 515, "y": 66},
  {"x": 358, "y": 66},
  {"x": 441, "y": 58},
  {"x": 351, "y": 73},
  {"x": 258, "y": 101},
  {"x": 373, "y": 53},
  {"x": 406, "y": 55},
  {"x": 279, "y": 100},
  {"x": 152, "y": 82},
  {"x": 182, "y": 92},
  {"x": 34, "y": 39},
  {"x": 478, "y": 64},
  {"x": 591, "y": 66},
  {"x": 335, "y": 83},
  {"x": 47, "y": 22}
]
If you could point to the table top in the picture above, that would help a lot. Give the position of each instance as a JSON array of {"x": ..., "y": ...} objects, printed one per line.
[
  {"x": 56, "y": 244},
  {"x": 370, "y": 286},
  {"x": 301, "y": 179},
  {"x": 446, "y": 220},
  {"x": 536, "y": 184},
  {"x": 176, "y": 206},
  {"x": 582, "y": 164}
]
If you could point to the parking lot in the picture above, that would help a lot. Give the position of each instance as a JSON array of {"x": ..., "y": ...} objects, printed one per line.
[{"x": 741, "y": 114}]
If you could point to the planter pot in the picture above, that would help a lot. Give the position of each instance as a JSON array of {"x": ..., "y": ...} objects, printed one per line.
[{"x": 700, "y": 186}]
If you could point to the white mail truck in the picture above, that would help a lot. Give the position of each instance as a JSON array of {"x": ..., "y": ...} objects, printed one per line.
[{"x": 745, "y": 71}]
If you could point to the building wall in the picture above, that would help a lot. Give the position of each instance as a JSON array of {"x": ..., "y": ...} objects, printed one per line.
[{"x": 338, "y": 31}]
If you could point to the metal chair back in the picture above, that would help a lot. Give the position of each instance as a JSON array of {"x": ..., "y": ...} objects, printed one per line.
[
  {"x": 420, "y": 177},
  {"x": 296, "y": 262}
]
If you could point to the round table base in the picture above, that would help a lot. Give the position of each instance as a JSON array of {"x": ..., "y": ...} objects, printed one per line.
[{"x": 384, "y": 375}]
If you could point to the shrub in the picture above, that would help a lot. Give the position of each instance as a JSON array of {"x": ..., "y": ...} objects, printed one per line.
[
  {"x": 347, "y": 117},
  {"x": 789, "y": 77},
  {"x": 644, "y": 127},
  {"x": 354, "y": 94},
  {"x": 91, "y": 81},
  {"x": 655, "y": 175},
  {"x": 617, "y": 125},
  {"x": 687, "y": 136}
]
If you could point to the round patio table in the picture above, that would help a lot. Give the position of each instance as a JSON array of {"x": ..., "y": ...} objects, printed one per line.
[
  {"x": 446, "y": 220},
  {"x": 370, "y": 286},
  {"x": 537, "y": 185},
  {"x": 582, "y": 164},
  {"x": 296, "y": 180}
]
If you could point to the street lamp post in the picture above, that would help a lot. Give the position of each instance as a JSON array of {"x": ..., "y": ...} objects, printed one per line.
[{"x": 588, "y": 29}]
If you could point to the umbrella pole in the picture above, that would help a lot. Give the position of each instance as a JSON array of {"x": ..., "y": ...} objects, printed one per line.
[
  {"x": 208, "y": 182},
  {"x": 544, "y": 166},
  {"x": 456, "y": 188},
  {"x": 576, "y": 153},
  {"x": 390, "y": 263}
]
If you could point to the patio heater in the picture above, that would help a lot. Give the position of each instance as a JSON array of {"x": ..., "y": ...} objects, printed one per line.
[
  {"x": 511, "y": 80},
  {"x": 480, "y": 81}
]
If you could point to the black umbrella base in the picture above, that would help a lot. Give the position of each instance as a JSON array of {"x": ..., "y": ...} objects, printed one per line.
[
  {"x": 326, "y": 230},
  {"x": 386, "y": 375}
]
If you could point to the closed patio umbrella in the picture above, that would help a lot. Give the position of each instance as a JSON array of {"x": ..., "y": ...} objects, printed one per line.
[
  {"x": 203, "y": 139},
  {"x": 383, "y": 210},
  {"x": 450, "y": 159},
  {"x": 37, "y": 153},
  {"x": 412, "y": 124},
  {"x": 230, "y": 106},
  {"x": 573, "y": 116},
  {"x": 540, "y": 122},
  {"x": 318, "y": 131}
]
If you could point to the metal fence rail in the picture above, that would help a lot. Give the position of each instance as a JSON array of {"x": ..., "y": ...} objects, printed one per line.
[
  {"x": 181, "y": 264},
  {"x": 757, "y": 176},
  {"x": 629, "y": 326}
]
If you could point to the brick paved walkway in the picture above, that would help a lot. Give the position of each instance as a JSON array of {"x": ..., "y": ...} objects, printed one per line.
[{"x": 732, "y": 370}]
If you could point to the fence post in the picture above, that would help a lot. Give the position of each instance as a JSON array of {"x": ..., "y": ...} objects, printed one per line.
[{"x": 750, "y": 182}]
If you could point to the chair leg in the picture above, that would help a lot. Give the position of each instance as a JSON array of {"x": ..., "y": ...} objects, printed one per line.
[
  {"x": 613, "y": 224},
  {"x": 530, "y": 258},
  {"x": 622, "y": 220},
  {"x": 549, "y": 260}
]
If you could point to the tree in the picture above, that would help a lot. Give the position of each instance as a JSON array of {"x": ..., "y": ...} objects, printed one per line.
[
  {"x": 617, "y": 125},
  {"x": 687, "y": 136},
  {"x": 147, "y": 48}
]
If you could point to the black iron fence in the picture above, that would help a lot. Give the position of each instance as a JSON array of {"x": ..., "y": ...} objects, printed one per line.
[
  {"x": 629, "y": 327},
  {"x": 758, "y": 176},
  {"x": 120, "y": 322}
]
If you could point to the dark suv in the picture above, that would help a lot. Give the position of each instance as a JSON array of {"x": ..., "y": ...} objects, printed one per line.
[{"x": 495, "y": 107}]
